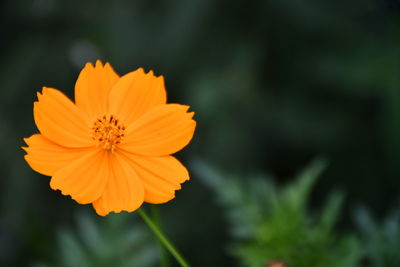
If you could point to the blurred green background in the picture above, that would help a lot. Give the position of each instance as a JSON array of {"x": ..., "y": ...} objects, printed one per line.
[{"x": 274, "y": 84}]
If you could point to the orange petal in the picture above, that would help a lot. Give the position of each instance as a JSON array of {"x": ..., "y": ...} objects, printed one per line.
[
  {"x": 135, "y": 93},
  {"x": 59, "y": 120},
  {"x": 47, "y": 157},
  {"x": 124, "y": 191},
  {"x": 161, "y": 131},
  {"x": 93, "y": 86},
  {"x": 161, "y": 176},
  {"x": 85, "y": 178}
]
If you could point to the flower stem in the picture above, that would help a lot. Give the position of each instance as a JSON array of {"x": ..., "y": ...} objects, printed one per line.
[
  {"x": 161, "y": 237},
  {"x": 155, "y": 215}
]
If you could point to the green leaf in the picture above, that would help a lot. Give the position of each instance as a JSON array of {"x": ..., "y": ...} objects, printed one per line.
[{"x": 274, "y": 223}]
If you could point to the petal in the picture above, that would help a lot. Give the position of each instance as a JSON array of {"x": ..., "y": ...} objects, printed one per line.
[
  {"x": 161, "y": 131},
  {"x": 135, "y": 93},
  {"x": 59, "y": 120},
  {"x": 85, "y": 178},
  {"x": 124, "y": 191},
  {"x": 161, "y": 176},
  {"x": 47, "y": 157},
  {"x": 93, "y": 86}
]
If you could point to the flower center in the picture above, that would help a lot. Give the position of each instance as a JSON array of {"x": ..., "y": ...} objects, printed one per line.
[{"x": 107, "y": 132}]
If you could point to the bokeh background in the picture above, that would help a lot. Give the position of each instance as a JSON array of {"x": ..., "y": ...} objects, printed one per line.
[{"x": 274, "y": 84}]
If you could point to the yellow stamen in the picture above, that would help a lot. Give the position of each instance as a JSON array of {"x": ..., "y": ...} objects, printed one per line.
[{"x": 107, "y": 132}]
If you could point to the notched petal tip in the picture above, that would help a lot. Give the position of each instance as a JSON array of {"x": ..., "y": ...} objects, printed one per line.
[
  {"x": 179, "y": 107},
  {"x": 64, "y": 193},
  {"x": 184, "y": 107},
  {"x": 191, "y": 114},
  {"x": 38, "y": 95},
  {"x": 89, "y": 65},
  {"x": 52, "y": 92},
  {"x": 55, "y": 186},
  {"x": 47, "y": 90},
  {"x": 108, "y": 66},
  {"x": 138, "y": 71},
  {"x": 104, "y": 213},
  {"x": 161, "y": 79},
  {"x": 152, "y": 74},
  {"x": 99, "y": 63}
]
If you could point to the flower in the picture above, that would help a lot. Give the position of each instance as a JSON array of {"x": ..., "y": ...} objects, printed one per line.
[{"x": 112, "y": 147}]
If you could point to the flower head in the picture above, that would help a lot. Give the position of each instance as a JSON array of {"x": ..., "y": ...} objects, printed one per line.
[{"x": 112, "y": 147}]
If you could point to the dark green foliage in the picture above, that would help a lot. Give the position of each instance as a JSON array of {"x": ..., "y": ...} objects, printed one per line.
[
  {"x": 274, "y": 223},
  {"x": 381, "y": 240},
  {"x": 115, "y": 241}
]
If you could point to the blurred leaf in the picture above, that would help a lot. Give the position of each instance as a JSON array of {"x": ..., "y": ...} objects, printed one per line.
[
  {"x": 331, "y": 211},
  {"x": 298, "y": 191},
  {"x": 277, "y": 223},
  {"x": 381, "y": 241},
  {"x": 72, "y": 251},
  {"x": 89, "y": 234},
  {"x": 110, "y": 241}
]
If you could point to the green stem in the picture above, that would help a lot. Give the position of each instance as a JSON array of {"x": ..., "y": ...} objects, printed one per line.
[
  {"x": 155, "y": 215},
  {"x": 163, "y": 239}
]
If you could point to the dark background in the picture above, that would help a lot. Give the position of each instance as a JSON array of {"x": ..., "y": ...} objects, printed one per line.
[{"x": 273, "y": 84}]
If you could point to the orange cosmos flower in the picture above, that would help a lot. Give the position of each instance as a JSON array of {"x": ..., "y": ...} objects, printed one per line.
[{"x": 112, "y": 147}]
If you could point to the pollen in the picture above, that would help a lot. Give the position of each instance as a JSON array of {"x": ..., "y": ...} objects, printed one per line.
[{"x": 108, "y": 132}]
